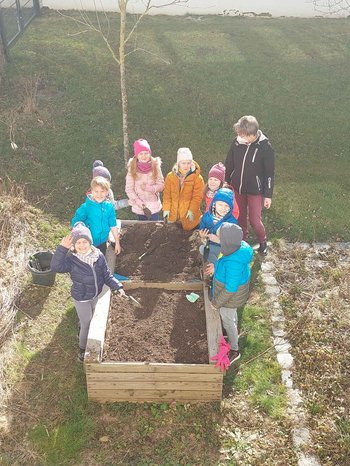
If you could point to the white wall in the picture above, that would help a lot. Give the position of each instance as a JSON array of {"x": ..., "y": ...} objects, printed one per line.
[{"x": 301, "y": 8}]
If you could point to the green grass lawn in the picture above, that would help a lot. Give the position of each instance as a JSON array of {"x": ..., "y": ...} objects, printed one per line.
[{"x": 293, "y": 74}]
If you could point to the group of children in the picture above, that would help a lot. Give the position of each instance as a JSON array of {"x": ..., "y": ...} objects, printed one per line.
[{"x": 226, "y": 255}]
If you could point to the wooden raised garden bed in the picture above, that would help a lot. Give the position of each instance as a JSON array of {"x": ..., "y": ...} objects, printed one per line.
[{"x": 160, "y": 351}]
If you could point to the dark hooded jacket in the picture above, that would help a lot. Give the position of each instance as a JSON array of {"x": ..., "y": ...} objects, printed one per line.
[
  {"x": 232, "y": 270},
  {"x": 87, "y": 280},
  {"x": 250, "y": 168}
]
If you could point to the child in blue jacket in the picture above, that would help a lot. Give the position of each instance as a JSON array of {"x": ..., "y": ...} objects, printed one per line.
[
  {"x": 88, "y": 270},
  {"x": 220, "y": 211},
  {"x": 231, "y": 281},
  {"x": 98, "y": 214}
]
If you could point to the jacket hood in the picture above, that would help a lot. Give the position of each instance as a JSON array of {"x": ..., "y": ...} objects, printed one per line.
[
  {"x": 261, "y": 137},
  {"x": 194, "y": 168},
  {"x": 225, "y": 195},
  {"x": 231, "y": 236}
]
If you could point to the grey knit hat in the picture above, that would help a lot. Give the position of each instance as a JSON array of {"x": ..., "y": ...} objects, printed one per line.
[
  {"x": 81, "y": 231},
  {"x": 231, "y": 236},
  {"x": 99, "y": 170}
]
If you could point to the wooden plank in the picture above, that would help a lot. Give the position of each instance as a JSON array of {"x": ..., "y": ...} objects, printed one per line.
[
  {"x": 153, "y": 376},
  {"x": 214, "y": 328},
  {"x": 195, "y": 285},
  {"x": 150, "y": 367},
  {"x": 153, "y": 395},
  {"x": 140, "y": 222},
  {"x": 97, "y": 330},
  {"x": 190, "y": 386}
]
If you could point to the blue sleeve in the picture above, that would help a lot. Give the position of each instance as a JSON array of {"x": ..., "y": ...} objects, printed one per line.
[
  {"x": 80, "y": 215},
  {"x": 112, "y": 218},
  {"x": 59, "y": 261},
  {"x": 205, "y": 222}
]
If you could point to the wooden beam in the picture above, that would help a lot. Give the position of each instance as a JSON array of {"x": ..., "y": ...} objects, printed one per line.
[
  {"x": 104, "y": 396},
  {"x": 196, "y": 285},
  {"x": 97, "y": 330},
  {"x": 138, "y": 367},
  {"x": 214, "y": 328}
]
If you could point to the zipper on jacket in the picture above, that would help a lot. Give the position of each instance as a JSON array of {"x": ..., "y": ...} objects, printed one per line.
[
  {"x": 269, "y": 182},
  {"x": 258, "y": 182},
  {"x": 245, "y": 156},
  {"x": 95, "y": 279},
  {"x": 256, "y": 150}
]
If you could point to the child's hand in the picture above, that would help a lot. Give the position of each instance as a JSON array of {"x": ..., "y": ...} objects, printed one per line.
[
  {"x": 138, "y": 202},
  {"x": 117, "y": 248},
  {"x": 267, "y": 202},
  {"x": 203, "y": 234},
  {"x": 190, "y": 215},
  {"x": 121, "y": 292},
  {"x": 214, "y": 238},
  {"x": 67, "y": 242},
  {"x": 209, "y": 270}
]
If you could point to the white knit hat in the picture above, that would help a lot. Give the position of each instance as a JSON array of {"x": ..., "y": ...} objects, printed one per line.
[{"x": 184, "y": 153}]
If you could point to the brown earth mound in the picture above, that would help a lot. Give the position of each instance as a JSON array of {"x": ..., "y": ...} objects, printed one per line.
[
  {"x": 172, "y": 253},
  {"x": 168, "y": 328}
]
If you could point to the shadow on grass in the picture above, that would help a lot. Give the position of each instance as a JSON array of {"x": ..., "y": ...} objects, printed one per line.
[{"x": 32, "y": 300}]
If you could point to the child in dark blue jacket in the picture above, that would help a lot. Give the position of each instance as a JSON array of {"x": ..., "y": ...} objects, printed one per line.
[
  {"x": 220, "y": 211},
  {"x": 88, "y": 270}
]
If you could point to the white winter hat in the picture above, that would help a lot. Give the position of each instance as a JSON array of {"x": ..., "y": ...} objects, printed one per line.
[{"x": 184, "y": 153}]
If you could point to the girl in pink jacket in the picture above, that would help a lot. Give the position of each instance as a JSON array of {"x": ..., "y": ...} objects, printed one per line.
[{"x": 144, "y": 182}]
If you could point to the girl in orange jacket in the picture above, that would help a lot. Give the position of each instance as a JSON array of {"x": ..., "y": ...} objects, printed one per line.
[{"x": 183, "y": 191}]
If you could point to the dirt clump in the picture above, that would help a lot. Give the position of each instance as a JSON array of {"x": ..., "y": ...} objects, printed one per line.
[
  {"x": 171, "y": 253},
  {"x": 167, "y": 328}
]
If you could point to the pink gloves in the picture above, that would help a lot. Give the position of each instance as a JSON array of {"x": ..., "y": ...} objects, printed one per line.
[{"x": 222, "y": 359}]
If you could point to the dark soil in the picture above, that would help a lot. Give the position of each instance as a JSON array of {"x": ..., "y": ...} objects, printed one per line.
[
  {"x": 168, "y": 328},
  {"x": 173, "y": 253}
]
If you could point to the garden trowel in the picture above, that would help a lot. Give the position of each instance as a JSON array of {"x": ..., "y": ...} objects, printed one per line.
[
  {"x": 133, "y": 300},
  {"x": 147, "y": 212}
]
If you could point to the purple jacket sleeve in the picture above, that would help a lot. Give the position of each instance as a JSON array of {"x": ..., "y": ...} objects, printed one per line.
[{"x": 59, "y": 261}]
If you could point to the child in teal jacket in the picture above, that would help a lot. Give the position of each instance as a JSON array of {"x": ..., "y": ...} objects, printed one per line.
[
  {"x": 98, "y": 214},
  {"x": 231, "y": 280}
]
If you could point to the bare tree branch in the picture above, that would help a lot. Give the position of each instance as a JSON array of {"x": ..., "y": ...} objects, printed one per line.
[{"x": 331, "y": 6}]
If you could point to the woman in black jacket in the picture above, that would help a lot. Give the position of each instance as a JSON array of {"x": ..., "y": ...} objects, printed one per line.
[{"x": 250, "y": 169}]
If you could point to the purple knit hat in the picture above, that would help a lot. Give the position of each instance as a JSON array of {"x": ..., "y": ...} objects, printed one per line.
[
  {"x": 99, "y": 170},
  {"x": 218, "y": 171},
  {"x": 80, "y": 230}
]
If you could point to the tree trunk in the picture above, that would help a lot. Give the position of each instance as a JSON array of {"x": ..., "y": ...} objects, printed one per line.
[{"x": 122, "y": 7}]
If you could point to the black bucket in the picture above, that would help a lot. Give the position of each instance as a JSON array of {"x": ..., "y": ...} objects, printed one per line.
[{"x": 40, "y": 268}]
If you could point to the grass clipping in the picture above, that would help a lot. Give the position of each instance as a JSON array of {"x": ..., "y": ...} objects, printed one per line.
[{"x": 315, "y": 285}]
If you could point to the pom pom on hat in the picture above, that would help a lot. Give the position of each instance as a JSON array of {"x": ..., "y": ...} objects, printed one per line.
[
  {"x": 218, "y": 171},
  {"x": 80, "y": 230},
  {"x": 141, "y": 145},
  {"x": 184, "y": 153},
  {"x": 99, "y": 170}
]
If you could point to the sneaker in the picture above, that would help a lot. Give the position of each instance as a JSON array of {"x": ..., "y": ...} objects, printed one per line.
[
  {"x": 262, "y": 249},
  {"x": 81, "y": 355},
  {"x": 234, "y": 355}
]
